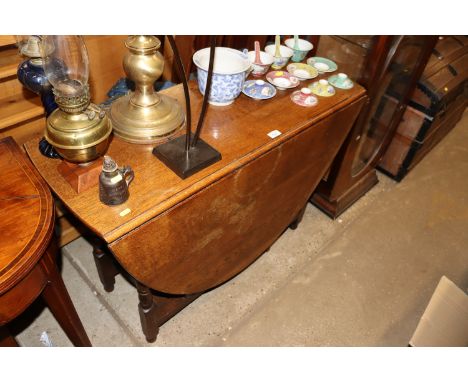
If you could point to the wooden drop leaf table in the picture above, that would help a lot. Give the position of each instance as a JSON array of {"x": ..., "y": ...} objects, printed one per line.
[{"x": 178, "y": 238}]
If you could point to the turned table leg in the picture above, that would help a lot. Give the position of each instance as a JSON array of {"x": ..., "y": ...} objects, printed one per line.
[
  {"x": 105, "y": 267},
  {"x": 58, "y": 300},
  {"x": 298, "y": 218},
  {"x": 147, "y": 310},
  {"x": 6, "y": 339}
]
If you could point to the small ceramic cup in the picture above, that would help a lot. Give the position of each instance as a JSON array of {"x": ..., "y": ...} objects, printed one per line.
[
  {"x": 304, "y": 48},
  {"x": 279, "y": 62},
  {"x": 257, "y": 69}
]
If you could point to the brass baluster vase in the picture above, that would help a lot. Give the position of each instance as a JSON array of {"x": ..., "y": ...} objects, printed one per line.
[{"x": 145, "y": 116}]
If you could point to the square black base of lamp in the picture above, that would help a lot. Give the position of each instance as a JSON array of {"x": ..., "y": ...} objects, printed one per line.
[{"x": 184, "y": 164}]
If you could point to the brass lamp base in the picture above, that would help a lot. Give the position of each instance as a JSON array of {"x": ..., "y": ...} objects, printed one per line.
[
  {"x": 146, "y": 124},
  {"x": 79, "y": 131}
]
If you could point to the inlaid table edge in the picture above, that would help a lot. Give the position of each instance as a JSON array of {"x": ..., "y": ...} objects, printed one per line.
[{"x": 40, "y": 235}]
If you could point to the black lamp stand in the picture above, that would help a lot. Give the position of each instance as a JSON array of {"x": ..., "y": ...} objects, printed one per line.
[{"x": 186, "y": 155}]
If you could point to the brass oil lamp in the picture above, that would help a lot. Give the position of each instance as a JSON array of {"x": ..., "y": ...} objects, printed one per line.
[
  {"x": 145, "y": 116},
  {"x": 79, "y": 130}
]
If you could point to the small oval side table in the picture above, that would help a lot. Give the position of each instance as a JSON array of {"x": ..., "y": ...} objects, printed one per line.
[{"x": 27, "y": 251}]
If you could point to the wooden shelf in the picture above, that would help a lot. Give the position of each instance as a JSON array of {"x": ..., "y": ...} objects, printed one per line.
[
  {"x": 7, "y": 40},
  {"x": 9, "y": 61},
  {"x": 19, "y": 108},
  {"x": 67, "y": 229}
]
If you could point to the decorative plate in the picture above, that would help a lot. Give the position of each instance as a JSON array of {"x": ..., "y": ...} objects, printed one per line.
[
  {"x": 258, "y": 89},
  {"x": 323, "y": 65},
  {"x": 322, "y": 88},
  {"x": 304, "y": 97},
  {"x": 341, "y": 81},
  {"x": 282, "y": 80},
  {"x": 302, "y": 71}
]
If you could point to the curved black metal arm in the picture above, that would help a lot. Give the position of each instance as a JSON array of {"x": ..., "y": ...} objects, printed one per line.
[
  {"x": 196, "y": 154},
  {"x": 181, "y": 70},
  {"x": 207, "y": 91}
]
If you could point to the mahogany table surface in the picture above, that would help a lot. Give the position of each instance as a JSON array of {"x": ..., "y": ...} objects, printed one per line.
[
  {"x": 27, "y": 251},
  {"x": 239, "y": 131},
  {"x": 26, "y": 215}
]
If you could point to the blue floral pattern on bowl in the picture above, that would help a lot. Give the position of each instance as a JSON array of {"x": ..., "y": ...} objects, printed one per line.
[{"x": 225, "y": 88}]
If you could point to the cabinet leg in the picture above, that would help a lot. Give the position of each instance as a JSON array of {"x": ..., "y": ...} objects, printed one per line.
[
  {"x": 298, "y": 218},
  {"x": 6, "y": 339},
  {"x": 105, "y": 267},
  {"x": 147, "y": 310},
  {"x": 60, "y": 304}
]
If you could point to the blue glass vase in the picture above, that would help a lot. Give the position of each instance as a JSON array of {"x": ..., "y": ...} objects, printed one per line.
[{"x": 31, "y": 75}]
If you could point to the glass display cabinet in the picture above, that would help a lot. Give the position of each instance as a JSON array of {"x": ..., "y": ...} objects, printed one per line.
[
  {"x": 388, "y": 67},
  {"x": 435, "y": 107}
]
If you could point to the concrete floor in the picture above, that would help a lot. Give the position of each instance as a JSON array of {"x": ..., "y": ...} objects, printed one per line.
[{"x": 364, "y": 279}]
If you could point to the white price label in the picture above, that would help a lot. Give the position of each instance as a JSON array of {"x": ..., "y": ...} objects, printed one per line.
[
  {"x": 116, "y": 179},
  {"x": 274, "y": 133},
  {"x": 126, "y": 211}
]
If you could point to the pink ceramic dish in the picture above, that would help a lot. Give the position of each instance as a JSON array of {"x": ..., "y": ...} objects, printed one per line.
[
  {"x": 304, "y": 98},
  {"x": 282, "y": 80}
]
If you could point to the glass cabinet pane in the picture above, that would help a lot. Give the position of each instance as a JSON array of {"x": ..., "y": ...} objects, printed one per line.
[
  {"x": 349, "y": 52},
  {"x": 393, "y": 87}
]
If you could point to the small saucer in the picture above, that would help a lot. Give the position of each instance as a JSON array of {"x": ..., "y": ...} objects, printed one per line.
[
  {"x": 322, "y": 88},
  {"x": 282, "y": 80},
  {"x": 304, "y": 97},
  {"x": 302, "y": 71},
  {"x": 323, "y": 65},
  {"x": 258, "y": 89},
  {"x": 341, "y": 81}
]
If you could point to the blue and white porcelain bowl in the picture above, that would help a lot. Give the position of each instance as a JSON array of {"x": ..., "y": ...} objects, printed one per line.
[{"x": 231, "y": 67}]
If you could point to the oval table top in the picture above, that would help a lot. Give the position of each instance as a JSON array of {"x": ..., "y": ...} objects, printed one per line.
[
  {"x": 26, "y": 215},
  {"x": 238, "y": 131}
]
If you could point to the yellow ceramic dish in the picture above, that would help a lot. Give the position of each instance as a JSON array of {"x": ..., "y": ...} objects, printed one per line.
[
  {"x": 302, "y": 71},
  {"x": 322, "y": 88}
]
